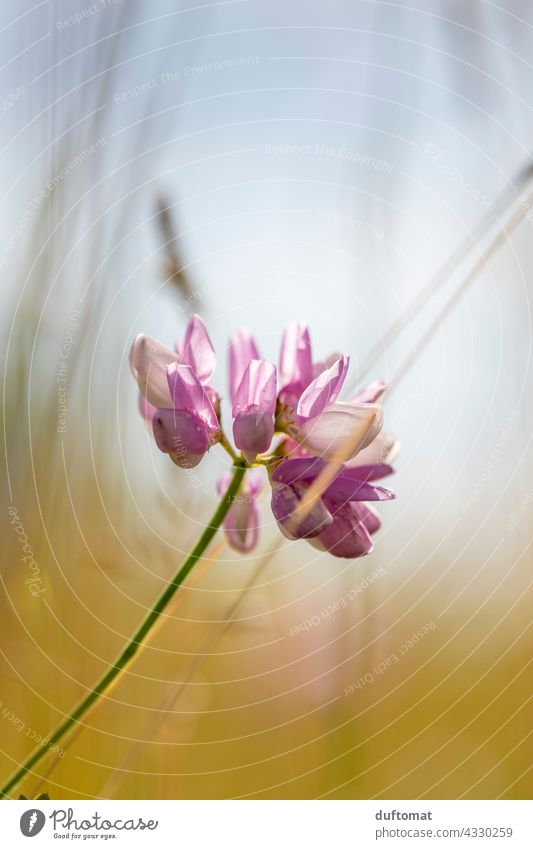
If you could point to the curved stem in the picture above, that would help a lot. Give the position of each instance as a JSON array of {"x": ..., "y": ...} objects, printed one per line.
[{"x": 135, "y": 643}]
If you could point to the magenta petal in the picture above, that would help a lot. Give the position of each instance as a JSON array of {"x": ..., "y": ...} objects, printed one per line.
[
  {"x": 300, "y": 469},
  {"x": 182, "y": 434},
  {"x": 197, "y": 349},
  {"x": 285, "y": 500},
  {"x": 242, "y": 350},
  {"x": 346, "y": 536},
  {"x": 348, "y": 484},
  {"x": 295, "y": 365},
  {"x": 253, "y": 430},
  {"x": 367, "y": 515},
  {"x": 370, "y": 472},
  {"x": 323, "y": 390},
  {"x": 187, "y": 393},
  {"x": 371, "y": 393},
  {"x": 345, "y": 488}
]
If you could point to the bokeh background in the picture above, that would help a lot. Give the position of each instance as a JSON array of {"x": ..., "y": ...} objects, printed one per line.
[{"x": 255, "y": 163}]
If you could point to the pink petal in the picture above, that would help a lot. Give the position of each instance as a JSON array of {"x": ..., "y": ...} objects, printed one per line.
[
  {"x": 346, "y": 536},
  {"x": 368, "y": 471},
  {"x": 187, "y": 393},
  {"x": 322, "y": 365},
  {"x": 299, "y": 469},
  {"x": 253, "y": 430},
  {"x": 285, "y": 500},
  {"x": 257, "y": 388},
  {"x": 342, "y": 429},
  {"x": 344, "y": 490},
  {"x": 295, "y": 365},
  {"x": 323, "y": 390},
  {"x": 146, "y": 409},
  {"x": 368, "y": 516},
  {"x": 371, "y": 393},
  {"x": 242, "y": 524},
  {"x": 148, "y": 362},
  {"x": 183, "y": 435},
  {"x": 223, "y": 482},
  {"x": 242, "y": 349},
  {"x": 254, "y": 480},
  {"x": 197, "y": 350}
]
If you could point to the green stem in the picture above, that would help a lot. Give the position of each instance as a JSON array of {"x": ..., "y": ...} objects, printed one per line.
[
  {"x": 135, "y": 643},
  {"x": 227, "y": 447}
]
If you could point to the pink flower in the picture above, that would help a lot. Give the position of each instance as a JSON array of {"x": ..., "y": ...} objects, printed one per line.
[
  {"x": 191, "y": 427},
  {"x": 340, "y": 521},
  {"x": 149, "y": 360},
  {"x": 253, "y": 395},
  {"x": 175, "y": 398},
  {"x": 309, "y": 411},
  {"x": 241, "y": 525}
]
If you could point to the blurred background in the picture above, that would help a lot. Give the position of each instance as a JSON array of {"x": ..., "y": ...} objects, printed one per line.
[{"x": 255, "y": 163}]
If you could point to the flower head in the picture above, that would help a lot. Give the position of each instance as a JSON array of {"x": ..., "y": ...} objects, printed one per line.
[
  {"x": 328, "y": 452},
  {"x": 175, "y": 397},
  {"x": 339, "y": 520}
]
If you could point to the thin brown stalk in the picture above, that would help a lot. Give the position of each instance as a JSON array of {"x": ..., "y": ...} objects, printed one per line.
[
  {"x": 504, "y": 202},
  {"x": 500, "y": 239}
]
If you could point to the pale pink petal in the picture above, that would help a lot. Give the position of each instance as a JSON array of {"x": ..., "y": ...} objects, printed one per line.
[
  {"x": 295, "y": 365},
  {"x": 242, "y": 350},
  {"x": 148, "y": 362},
  {"x": 197, "y": 350},
  {"x": 323, "y": 390},
  {"x": 254, "y": 480},
  {"x": 241, "y": 526},
  {"x": 342, "y": 430},
  {"x": 322, "y": 365},
  {"x": 146, "y": 409},
  {"x": 371, "y": 393},
  {"x": 383, "y": 449}
]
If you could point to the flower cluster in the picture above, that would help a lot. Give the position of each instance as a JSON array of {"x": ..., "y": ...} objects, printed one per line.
[{"x": 322, "y": 455}]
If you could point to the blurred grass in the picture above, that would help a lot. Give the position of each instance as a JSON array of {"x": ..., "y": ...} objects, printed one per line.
[{"x": 449, "y": 719}]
